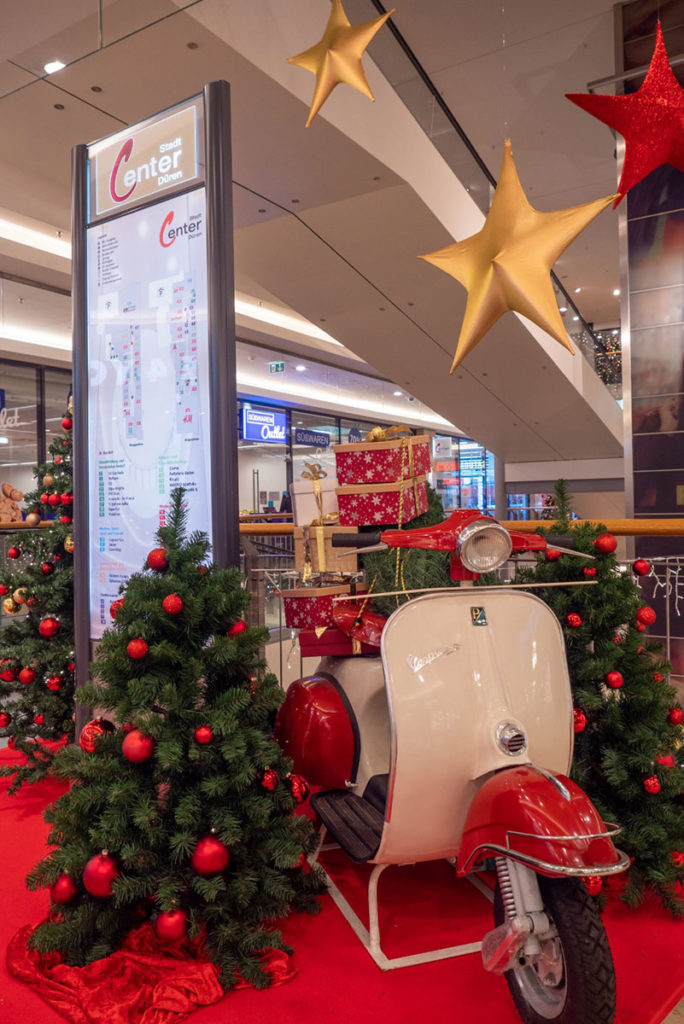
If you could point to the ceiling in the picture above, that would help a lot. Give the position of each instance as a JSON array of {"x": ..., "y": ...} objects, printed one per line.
[{"x": 323, "y": 225}]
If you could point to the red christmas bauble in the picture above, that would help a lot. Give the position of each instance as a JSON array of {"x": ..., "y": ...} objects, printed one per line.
[
  {"x": 657, "y": 678},
  {"x": 640, "y": 627},
  {"x": 71, "y": 666},
  {"x": 54, "y": 683},
  {"x": 115, "y": 606},
  {"x": 49, "y": 626},
  {"x": 652, "y": 784},
  {"x": 99, "y": 873},
  {"x": 8, "y": 675},
  {"x": 172, "y": 604},
  {"x": 39, "y": 719},
  {"x": 63, "y": 890},
  {"x": 58, "y": 460},
  {"x": 137, "y": 649},
  {"x": 617, "y": 639},
  {"x": 67, "y": 499},
  {"x": 54, "y": 500},
  {"x": 3, "y": 590},
  {"x": 158, "y": 560},
  {"x": 92, "y": 732},
  {"x": 667, "y": 760},
  {"x": 269, "y": 779},
  {"x": 171, "y": 925},
  {"x": 640, "y": 650},
  {"x": 238, "y": 627},
  {"x": 552, "y": 555},
  {"x": 300, "y": 862},
  {"x": 44, "y": 499},
  {"x": 678, "y": 858},
  {"x": 47, "y": 568},
  {"x": 589, "y": 570},
  {"x": 203, "y": 735},
  {"x": 605, "y": 543},
  {"x": 210, "y": 856},
  {"x": 646, "y": 616},
  {"x": 67, "y": 423},
  {"x": 641, "y": 567},
  {"x": 614, "y": 680},
  {"x": 676, "y": 716},
  {"x": 5, "y": 719},
  {"x": 579, "y": 720},
  {"x": 137, "y": 747},
  {"x": 27, "y": 676},
  {"x": 11, "y": 742},
  {"x": 594, "y": 884},
  {"x": 13, "y": 552},
  {"x": 573, "y": 619},
  {"x": 65, "y": 519},
  {"x": 299, "y": 787}
]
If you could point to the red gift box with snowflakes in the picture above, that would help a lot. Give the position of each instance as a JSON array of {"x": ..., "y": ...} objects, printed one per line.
[
  {"x": 312, "y": 607},
  {"x": 382, "y": 504},
  {"x": 365, "y": 462}
]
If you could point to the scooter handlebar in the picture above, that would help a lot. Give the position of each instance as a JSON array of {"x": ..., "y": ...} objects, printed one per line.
[{"x": 355, "y": 540}]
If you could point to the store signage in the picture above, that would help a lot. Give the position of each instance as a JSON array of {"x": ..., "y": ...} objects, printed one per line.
[
  {"x": 472, "y": 467},
  {"x": 142, "y": 161},
  {"x": 264, "y": 425},
  {"x": 354, "y": 435},
  {"x": 276, "y": 367},
  {"x": 313, "y": 438},
  {"x": 2, "y": 399},
  {"x": 8, "y": 417}
]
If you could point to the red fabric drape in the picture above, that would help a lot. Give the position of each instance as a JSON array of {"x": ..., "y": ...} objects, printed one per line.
[{"x": 145, "y": 982}]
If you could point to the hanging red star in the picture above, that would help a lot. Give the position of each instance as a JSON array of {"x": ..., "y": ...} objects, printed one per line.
[{"x": 651, "y": 120}]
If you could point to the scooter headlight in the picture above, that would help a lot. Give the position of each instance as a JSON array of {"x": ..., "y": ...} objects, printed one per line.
[{"x": 484, "y": 545}]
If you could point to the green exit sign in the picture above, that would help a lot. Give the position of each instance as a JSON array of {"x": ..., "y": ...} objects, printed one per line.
[{"x": 276, "y": 367}]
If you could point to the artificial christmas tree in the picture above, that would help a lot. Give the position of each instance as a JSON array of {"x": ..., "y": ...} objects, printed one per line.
[
  {"x": 36, "y": 648},
  {"x": 169, "y": 816}
]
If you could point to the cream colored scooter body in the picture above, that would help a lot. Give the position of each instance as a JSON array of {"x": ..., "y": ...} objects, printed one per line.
[{"x": 458, "y": 667}]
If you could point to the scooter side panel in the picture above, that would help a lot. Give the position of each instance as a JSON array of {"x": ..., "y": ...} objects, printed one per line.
[{"x": 457, "y": 667}]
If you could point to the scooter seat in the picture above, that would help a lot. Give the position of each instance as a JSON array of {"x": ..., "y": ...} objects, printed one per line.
[{"x": 351, "y": 820}]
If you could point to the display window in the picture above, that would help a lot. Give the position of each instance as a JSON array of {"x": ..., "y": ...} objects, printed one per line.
[
  {"x": 263, "y": 457},
  {"x": 313, "y": 437}
]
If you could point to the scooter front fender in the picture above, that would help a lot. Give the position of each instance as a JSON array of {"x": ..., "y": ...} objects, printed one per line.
[{"x": 541, "y": 819}]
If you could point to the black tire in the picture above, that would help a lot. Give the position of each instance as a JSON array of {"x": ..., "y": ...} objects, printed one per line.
[{"x": 586, "y": 993}]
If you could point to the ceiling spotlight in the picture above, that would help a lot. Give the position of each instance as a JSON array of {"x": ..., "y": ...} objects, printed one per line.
[
  {"x": 300, "y": 368},
  {"x": 577, "y": 291},
  {"x": 616, "y": 291},
  {"x": 397, "y": 394},
  {"x": 52, "y": 66},
  {"x": 563, "y": 309},
  {"x": 4, "y": 440},
  {"x": 575, "y": 318}
]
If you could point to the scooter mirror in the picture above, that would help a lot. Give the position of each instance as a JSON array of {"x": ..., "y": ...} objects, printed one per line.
[{"x": 484, "y": 545}]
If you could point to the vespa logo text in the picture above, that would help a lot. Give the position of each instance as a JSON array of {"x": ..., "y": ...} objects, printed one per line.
[
  {"x": 168, "y": 234},
  {"x": 416, "y": 664}
]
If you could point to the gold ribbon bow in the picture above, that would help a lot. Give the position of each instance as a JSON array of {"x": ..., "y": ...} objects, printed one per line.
[
  {"x": 313, "y": 471},
  {"x": 385, "y": 433}
]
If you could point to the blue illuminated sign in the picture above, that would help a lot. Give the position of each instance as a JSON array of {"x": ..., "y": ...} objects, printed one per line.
[
  {"x": 264, "y": 425},
  {"x": 354, "y": 435},
  {"x": 2, "y": 398},
  {"x": 314, "y": 438}
]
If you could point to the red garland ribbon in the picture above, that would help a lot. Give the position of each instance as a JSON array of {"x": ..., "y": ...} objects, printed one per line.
[{"x": 144, "y": 982}]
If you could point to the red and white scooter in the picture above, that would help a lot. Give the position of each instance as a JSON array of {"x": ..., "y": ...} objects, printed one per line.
[{"x": 456, "y": 743}]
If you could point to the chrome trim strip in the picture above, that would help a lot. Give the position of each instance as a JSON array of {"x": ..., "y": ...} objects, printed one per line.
[
  {"x": 555, "y": 869},
  {"x": 554, "y": 780}
]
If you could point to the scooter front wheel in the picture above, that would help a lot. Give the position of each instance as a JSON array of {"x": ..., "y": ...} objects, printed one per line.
[{"x": 572, "y": 981}]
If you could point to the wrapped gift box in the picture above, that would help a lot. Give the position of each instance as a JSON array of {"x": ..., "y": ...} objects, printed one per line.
[
  {"x": 365, "y": 462},
  {"x": 332, "y": 643},
  {"x": 305, "y": 503},
  {"x": 380, "y": 504},
  {"x": 312, "y": 607},
  {"x": 322, "y": 554}
]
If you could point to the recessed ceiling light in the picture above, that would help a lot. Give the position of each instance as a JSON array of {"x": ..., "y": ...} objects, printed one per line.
[
  {"x": 4, "y": 440},
  {"x": 616, "y": 291},
  {"x": 96, "y": 88},
  {"x": 563, "y": 309},
  {"x": 397, "y": 394},
  {"x": 577, "y": 291},
  {"x": 52, "y": 66},
  {"x": 300, "y": 368},
  {"x": 58, "y": 106},
  {"x": 299, "y": 422},
  {"x": 575, "y": 318}
]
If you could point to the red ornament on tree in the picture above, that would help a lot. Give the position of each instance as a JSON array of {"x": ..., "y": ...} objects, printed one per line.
[
  {"x": 171, "y": 925},
  {"x": 652, "y": 784},
  {"x": 49, "y": 626},
  {"x": 238, "y": 627},
  {"x": 299, "y": 787},
  {"x": 47, "y": 568},
  {"x": 8, "y": 675},
  {"x": 552, "y": 555},
  {"x": 667, "y": 760},
  {"x": 646, "y": 616},
  {"x": 63, "y": 890},
  {"x": 67, "y": 499},
  {"x": 137, "y": 747},
  {"x": 44, "y": 499},
  {"x": 594, "y": 884},
  {"x": 67, "y": 423},
  {"x": 678, "y": 858},
  {"x": 614, "y": 680},
  {"x": 269, "y": 779},
  {"x": 92, "y": 732},
  {"x": 657, "y": 678},
  {"x": 5, "y": 719},
  {"x": 115, "y": 606},
  {"x": 573, "y": 619},
  {"x": 27, "y": 676},
  {"x": 605, "y": 543},
  {"x": 203, "y": 735},
  {"x": 158, "y": 560},
  {"x": 589, "y": 570},
  {"x": 210, "y": 856},
  {"x": 172, "y": 604},
  {"x": 13, "y": 553},
  {"x": 54, "y": 500},
  {"x": 65, "y": 519},
  {"x": 58, "y": 460},
  {"x": 99, "y": 874},
  {"x": 300, "y": 862},
  {"x": 676, "y": 716},
  {"x": 3, "y": 590},
  {"x": 137, "y": 649},
  {"x": 39, "y": 719},
  {"x": 54, "y": 683},
  {"x": 641, "y": 567},
  {"x": 640, "y": 627},
  {"x": 579, "y": 720}
]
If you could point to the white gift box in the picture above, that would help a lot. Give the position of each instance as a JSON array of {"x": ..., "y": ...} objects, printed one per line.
[{"x": 313, "y": 500}]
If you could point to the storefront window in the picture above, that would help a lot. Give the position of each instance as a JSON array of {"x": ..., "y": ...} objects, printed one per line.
[
  {"x": 19, "y": 393},
  {"x": 56, "y": 395},
  {"x": 313, "y": 437},
  {"x": 263, "y": 455}
]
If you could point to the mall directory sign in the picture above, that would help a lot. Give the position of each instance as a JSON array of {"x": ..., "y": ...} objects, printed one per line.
[{"x": 147, "y": 345}]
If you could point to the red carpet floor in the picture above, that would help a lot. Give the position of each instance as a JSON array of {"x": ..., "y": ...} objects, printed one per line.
[{"x": 337, "y": 980}]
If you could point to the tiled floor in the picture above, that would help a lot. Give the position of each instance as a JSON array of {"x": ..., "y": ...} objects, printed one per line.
[{"x": 677, "y": 1015}]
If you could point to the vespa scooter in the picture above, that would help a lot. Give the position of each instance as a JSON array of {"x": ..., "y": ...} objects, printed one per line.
[{"x": 456, "y": 743}]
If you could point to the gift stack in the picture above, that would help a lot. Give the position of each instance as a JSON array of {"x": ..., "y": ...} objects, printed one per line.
[{"x": 382, "y": 480}]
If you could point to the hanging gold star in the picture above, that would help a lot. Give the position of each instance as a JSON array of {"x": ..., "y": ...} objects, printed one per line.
[
  {"x": 507, "y": 265},
  {"x": 337, "y": 57}
]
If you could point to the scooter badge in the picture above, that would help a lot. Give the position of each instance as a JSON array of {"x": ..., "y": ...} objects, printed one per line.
[{"x": 478, "y": 616}]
